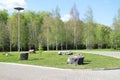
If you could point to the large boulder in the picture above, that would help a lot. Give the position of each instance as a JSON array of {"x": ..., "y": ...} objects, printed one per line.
[
  {"x": 24, "y": 56},
  {"x": 65, "y": 53},
  {"x": 76, "y": 59},
  {"x": 31, "y": 51}
]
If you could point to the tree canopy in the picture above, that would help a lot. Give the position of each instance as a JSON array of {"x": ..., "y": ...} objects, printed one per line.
[{"x": 48, "y": 30}]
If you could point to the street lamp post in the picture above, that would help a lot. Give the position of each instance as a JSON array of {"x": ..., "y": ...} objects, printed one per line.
[{"x": 19, "y": 9}]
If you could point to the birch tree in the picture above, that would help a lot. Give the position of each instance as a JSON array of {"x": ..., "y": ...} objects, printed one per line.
[{"x": 75, "y": 18}]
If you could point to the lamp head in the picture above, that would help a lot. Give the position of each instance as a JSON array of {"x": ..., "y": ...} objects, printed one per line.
[{"x": 19, "y": 8}]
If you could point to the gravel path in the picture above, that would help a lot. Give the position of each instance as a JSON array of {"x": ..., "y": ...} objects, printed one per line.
[{"x": 12, "y": 71}]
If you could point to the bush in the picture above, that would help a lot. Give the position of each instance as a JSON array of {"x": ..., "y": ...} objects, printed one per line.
[{"x": 40, "y": 48}]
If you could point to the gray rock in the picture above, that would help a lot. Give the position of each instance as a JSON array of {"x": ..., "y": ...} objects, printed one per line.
[
  {"x": 65, "y": 53},
  {"x": 7, "y": 54},
  {"x": 31, "y": 51},
  {"x": 24, "y": 56},
  {"x": 76, "y": 59}
]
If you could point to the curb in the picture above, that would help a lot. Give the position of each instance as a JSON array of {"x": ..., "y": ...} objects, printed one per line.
[{"x": 98, "y": 69}]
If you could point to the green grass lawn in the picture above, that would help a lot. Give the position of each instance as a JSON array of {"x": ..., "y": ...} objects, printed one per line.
[{"x": 52, "y": 59}]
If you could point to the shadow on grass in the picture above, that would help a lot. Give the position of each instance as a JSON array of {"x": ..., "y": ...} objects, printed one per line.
[
  {"x": 35, "y": 59},
  {"x": 86, "y": 62}
]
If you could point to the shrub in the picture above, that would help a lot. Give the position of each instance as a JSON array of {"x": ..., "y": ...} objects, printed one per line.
[{"x": 40, "y": 48}]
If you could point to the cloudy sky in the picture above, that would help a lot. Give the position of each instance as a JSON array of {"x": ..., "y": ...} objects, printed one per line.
[
  {"x": 10, "y": 4},
  {"x": 103, "y": 10}
]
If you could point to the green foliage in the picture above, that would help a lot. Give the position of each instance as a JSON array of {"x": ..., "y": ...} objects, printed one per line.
[
  {"x": 40, "y": 48},
  {"x": 116, "y": 31},
  {"x": 49, "y": 30},
  {"x": 4, "y": 35},
  {"x": 3, "y": 16}
]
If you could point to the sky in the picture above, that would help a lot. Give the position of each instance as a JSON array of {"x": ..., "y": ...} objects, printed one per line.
[{"x": 103, "y": 10}]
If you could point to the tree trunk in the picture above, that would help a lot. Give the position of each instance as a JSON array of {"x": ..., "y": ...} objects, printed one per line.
[
  {"x": 47, "y": 39},
  {"x": 47, "y": 44},
  {"x": 56, "y": 44},
  {"x": 61, "y": 46},
  {"x": 56, "y": 39},
  {"x": 66, "y": 46},
  {"x": 86, "y": 43}
]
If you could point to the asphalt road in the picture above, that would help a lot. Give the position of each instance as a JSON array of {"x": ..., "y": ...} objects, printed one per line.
[
  {"x": 105, "y": 53},
  {"x": 12, "y": 71}
]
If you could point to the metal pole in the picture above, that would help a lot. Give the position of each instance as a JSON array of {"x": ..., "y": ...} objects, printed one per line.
[
  {"x": 18, "y": 31},
  {"x": 19, "y": 8}
]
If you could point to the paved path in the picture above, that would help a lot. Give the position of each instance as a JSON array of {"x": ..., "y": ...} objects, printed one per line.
[
  {"x": 105, "y": 53},
  {"x": 12, "y": 71}
]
